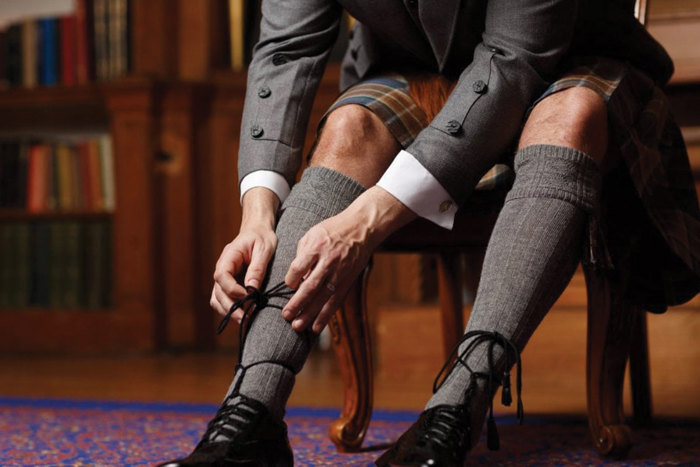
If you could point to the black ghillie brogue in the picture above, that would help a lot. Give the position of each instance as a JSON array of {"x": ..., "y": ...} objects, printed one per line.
[{"x": 442, "y": 435}]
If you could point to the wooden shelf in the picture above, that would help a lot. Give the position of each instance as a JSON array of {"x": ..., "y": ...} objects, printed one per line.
[{"x": 22, "y": 215}]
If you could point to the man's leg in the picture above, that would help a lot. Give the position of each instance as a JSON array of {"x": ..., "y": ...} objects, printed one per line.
[
  {"x": 539, "y": 236},
  {"x": 353, "y": 150}
]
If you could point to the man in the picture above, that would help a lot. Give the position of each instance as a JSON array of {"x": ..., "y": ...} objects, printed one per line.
[{"x": 436, "y": 93}]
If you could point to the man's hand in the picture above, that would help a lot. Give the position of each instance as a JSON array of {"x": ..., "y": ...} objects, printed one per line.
[
  {"x": 249, "y": 252},
  {"x": 333, "y": 253}
]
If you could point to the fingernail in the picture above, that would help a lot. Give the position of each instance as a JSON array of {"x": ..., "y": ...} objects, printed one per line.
[
  {"x": 297, "y": 324},
  {"x": 286, "y": 314},
  {"x": 253, "y": 283}
]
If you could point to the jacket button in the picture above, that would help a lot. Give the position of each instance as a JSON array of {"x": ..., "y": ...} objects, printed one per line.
[
  {"x": 264, "y": 92},
  {"x": 445, "y": 205},
  {"x": 279, "y": 59},
  {"x": 453, "y": 127},
  {"x": 496, "y": 51},
  {"x": 256, "y": 131},
  {"x": 412, "y": 3},
  {"x": 479, "y": 87}
]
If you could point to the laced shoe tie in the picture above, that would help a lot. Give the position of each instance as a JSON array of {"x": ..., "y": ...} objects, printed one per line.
[
  {"x": 511, "y": 356},
  {"x": 237, "y": 412},
  {"x": 445, "y": 426},
  {"x": 232, "y": 419}
]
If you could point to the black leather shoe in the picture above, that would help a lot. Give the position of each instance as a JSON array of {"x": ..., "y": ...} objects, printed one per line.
[
  {"x": 253, "y": 439},
  {"x": 440, "y": 438}
]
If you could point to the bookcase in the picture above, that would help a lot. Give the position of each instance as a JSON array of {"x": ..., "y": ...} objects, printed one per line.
[{"x": 173, "y": 120}]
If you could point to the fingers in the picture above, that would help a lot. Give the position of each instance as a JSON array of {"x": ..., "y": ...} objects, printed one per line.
[
  {"x": 299, "y": 269},
  {"x": 221, "y": 303},
  {"x": 308, "y": 289},
  {"x": 326, "y": 314},
  {"x": 258, "y": 265},
  {"x": 229, "y": 264}
]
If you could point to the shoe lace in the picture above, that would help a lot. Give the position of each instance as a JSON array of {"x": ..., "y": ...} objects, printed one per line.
[
  {"x": 511, "y": 356},
  {"x": 446, "y": 427},
  {"x": 253, "y": 302},
  {"x": 237, "y": 412},
  {"x": 231, "y": 419}
]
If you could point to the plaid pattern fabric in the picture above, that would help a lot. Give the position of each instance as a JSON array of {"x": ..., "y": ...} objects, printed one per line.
[
  {"x": 387, "y": 96},
  {"x": 650, "y": 220}
]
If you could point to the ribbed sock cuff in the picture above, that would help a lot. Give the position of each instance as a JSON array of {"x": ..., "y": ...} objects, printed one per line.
[
  {"x": 324, "y": 192},
  {"x": 545, "y": 171}
]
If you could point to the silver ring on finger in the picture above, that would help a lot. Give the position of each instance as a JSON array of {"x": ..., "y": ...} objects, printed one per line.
[{"x": 330, "y": 286}]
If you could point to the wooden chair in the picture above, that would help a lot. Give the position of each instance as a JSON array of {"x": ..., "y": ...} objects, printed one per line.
[{"x": 615, "y": 332}]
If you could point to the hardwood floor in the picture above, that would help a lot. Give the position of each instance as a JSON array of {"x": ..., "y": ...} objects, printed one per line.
[{"x": 407, "y": 358}]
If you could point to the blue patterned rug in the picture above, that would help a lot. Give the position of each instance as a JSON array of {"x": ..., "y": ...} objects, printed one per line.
[{"x": 80, "y": 433}]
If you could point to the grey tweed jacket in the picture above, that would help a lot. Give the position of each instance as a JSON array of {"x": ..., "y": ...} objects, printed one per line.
[{"x": 504, "y": 53}]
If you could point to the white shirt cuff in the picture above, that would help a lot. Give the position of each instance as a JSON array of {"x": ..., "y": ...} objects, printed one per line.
[
  {"x": 411, "y": 183},
  {"x": 268, "y": 179}
]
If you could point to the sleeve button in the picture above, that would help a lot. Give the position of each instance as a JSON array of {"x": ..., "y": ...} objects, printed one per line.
[
  {"x": 453, "y": 127},
  {"x": 256, "y": 131},
  {"x": 264, "y": 92},
  {"x": 479, "y": 87},
  {"x": 279, "y": 59},
  {"x": 445, "y": 205}
]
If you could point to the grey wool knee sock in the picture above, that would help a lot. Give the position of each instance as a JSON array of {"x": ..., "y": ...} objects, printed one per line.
[
  {"x": 532, "y": 254},
  {"x": 320, "y": 194}
]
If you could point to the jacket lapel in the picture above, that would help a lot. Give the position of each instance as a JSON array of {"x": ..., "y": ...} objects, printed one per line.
[{"x": 439, "y": 18}]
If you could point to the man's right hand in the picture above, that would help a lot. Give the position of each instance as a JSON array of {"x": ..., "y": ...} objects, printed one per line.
[{"x": 248, "y": 253}]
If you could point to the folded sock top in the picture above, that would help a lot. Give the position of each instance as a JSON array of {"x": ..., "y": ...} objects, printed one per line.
[
  {"x": 323, "y": 192},
  {"x": 545, "y": 171}
]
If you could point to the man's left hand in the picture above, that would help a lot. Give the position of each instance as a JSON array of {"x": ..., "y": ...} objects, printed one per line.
[{"x": 333, "y": 253}]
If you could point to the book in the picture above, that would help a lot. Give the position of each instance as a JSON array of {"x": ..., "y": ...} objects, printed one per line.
[
  {"x": 65, "y": 177},
  {"x": 57, "y": 262},
  {"x": 92, "y": 149},
  {"x": 20, "y": 195},
  {"x": 12, "y": 53},
  {"x": 40, "y": 265},
  {"x": 118, "y": 37},
  {"x": 101, "y": 38},
  {"x": 37, "y": 169},
  {"x": 96, "y": 264},
  {"x": 84, "y": 64},
  {"x": 68, "y": 50},
  {"x": 72, "y": 274},
  {"x": 48, "y": 59},
  {"x": 30, "y": 48},
  {"x": 20, "y": 273},
  {"x": 107, "y": 171},
  {"x": 10, "y": 169}
]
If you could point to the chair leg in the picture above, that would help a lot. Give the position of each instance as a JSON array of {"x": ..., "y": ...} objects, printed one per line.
[
  {"x": 609, "y": 326},
  {"x": 450, "y": 293},
  {"x": 351, "y": 343},
  {"x": 639, "y": 370}
]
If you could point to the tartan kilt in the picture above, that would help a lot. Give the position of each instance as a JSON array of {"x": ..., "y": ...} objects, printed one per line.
[{"x": 649, "y": 220}]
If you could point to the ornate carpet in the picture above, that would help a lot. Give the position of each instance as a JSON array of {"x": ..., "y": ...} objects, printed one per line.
[{"x": 38, "y": 432}]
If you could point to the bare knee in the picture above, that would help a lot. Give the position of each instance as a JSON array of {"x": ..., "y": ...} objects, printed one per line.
[
  {"x": 356, "y": 142},
  {"x": 575, "y": 118}
]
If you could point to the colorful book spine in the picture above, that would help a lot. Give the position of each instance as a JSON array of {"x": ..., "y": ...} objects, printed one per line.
[
  {"x": 30, "y": 48},
  {"x": 107, "y": 170},
  {"x": 68, "y": 50},
  {"x": 85, "y": 69},
  {"x": 47, "y": 52},
  {"x": 101, "y": 39}
]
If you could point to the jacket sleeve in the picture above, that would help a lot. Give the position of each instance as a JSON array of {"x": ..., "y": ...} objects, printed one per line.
[
  {"x": 296, "y": 38},
  {"x": 522, "y": 44}
]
